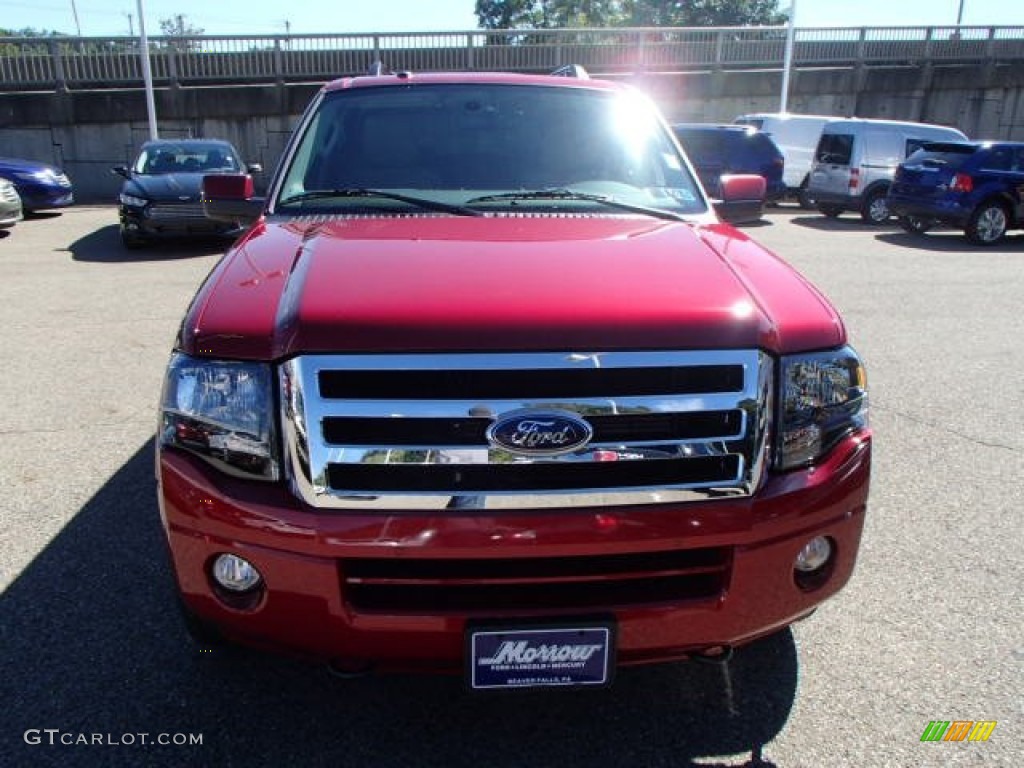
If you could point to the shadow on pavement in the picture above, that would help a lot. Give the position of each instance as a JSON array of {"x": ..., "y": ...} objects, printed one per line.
[
  {"x": 950, "y": 241},
  {"x": 755, "y": 224},
  {"x": 848, "y": 223},
  {"x": 104, "y": 245},
  {"x": 92, "y": 644},
  {"x": 942, "y": 239}
]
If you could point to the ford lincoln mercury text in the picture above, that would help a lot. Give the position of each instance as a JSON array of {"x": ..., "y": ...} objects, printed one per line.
[{"x": 487, "y": 388}]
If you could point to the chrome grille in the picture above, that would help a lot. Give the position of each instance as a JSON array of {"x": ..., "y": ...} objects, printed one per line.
[
  {"x": 8, "y": 193},
  {"x": 190, "y": 210},
  {"x": 408, "y": 432}
]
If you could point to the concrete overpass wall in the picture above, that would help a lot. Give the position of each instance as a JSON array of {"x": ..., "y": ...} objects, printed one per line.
[{"x": 88, "y": 132}]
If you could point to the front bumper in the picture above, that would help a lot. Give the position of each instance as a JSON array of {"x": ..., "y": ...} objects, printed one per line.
[
  {"x": 838, "y": 200},
  {"x": 302, "y": 551},
  {"x": 136, "y": 223},
  {"x": 948, "y": 212},
  {"x": 10, "y": 215},
  {"x": 34, "y": 198}
]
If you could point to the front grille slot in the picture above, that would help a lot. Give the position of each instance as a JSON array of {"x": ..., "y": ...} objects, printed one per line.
[
  {"x": 545, "y": 476},
  {"x": 409, "y": 586},
  {"x": 412, "y": 431},
  {"x": 540, "y": 384}
]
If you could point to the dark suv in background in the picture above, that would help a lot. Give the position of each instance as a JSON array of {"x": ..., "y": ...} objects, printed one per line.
[
  {"x": 976, "y": 186},
  {"x": 717, "y": 150}
]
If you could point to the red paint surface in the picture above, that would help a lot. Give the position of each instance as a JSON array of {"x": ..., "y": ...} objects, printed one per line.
[
  {"x": 448, "y": 283},
  {"x": 298, "y": 548}
]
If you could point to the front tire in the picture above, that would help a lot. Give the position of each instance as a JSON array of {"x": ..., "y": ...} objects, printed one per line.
[
  {"x": 875, "y": 210},
  {"x": 916, "y": 225},
  {"x": 988, "y": 224},
  {"x": 804, "y": 199}
]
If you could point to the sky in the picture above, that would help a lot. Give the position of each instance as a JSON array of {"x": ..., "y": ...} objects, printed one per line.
[{"x": 245, "y": 17}]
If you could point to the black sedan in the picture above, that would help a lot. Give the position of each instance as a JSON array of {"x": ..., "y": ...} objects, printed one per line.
[{"x": 161, "y": 193}]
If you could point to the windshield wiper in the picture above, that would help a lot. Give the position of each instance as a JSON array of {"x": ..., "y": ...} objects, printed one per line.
[
  {"x": 569, "y": 195},
  {"x": 419, "y": 202}
]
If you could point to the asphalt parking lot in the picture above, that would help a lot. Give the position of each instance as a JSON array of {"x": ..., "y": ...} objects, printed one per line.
[{"x": 930, "y": 628}]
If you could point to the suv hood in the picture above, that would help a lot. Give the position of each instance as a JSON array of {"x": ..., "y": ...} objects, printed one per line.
[
  {"x": 14, "y": 165},
  {"x": 500, "y": 283}
]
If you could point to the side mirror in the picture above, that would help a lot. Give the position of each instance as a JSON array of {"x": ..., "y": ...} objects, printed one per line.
[
  {"x": 742, "y": 198},
  {"x": 230, "y": 197},
  {"x": 121, "y": 170}
]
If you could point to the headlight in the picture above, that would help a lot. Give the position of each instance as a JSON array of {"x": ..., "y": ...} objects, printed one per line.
[
  {"x": 46, "y": 175},
  {"x": 222, "y": 411},
  {"x": 823, "y": 398},
  {"x": 137, "y": 202}
]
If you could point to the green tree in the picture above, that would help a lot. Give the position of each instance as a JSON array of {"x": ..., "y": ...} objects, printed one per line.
[
  {"x": 179, "y": 26},
  {"x": 30, "y": 32},
  {"x": 551, "y": 14},
  {"x": 705, "y": 13}
]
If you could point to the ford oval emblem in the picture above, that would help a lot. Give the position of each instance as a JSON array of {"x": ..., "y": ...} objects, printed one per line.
[{"x": 539, "y": 433}]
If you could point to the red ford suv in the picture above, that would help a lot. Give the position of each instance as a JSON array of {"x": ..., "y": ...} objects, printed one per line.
[{"x": 487, "y": 388}]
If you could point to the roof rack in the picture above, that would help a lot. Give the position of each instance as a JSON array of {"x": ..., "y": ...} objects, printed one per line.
[{"x": 571, "y": 70}]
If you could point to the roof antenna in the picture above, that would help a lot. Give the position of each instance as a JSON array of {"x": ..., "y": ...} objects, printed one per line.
[{"x": 376, "y": 69}]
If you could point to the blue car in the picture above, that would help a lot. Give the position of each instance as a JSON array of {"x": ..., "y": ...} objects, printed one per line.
[
  {"x": 715, "y": 150},
  {"x": 976, "y": 186},
  {"x": 39, "y": 185}
]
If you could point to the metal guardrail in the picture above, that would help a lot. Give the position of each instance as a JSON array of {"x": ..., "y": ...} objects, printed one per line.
[{"x": 32, "y": 63}]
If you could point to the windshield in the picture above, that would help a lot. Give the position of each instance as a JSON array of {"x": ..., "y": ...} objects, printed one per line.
[
  {"x": 186, "y": 158},
  {"x": 479, "y": 145}
]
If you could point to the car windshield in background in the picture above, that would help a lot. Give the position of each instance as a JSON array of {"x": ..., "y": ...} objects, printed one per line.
[
  {"x": 477, "y": 145},
  {"x": 191, "y": 158},
  {"x": 946, "y": 155}
]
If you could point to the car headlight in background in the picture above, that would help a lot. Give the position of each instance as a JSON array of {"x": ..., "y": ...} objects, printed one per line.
[
  {"x": 823, "y": 398},
  {"x": 222, "y": 411},
  {"x": 44, "y": 176},
  {"x": 137, "y": 202}
]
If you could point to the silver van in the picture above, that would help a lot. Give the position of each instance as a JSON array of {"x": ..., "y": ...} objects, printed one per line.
[
  {"x": 797, "y": 137},
  {"x": 856, "y": 160}
]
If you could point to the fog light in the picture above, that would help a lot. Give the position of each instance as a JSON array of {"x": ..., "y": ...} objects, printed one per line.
[
  {"x": 235, "y": 574},
  {"x": 815, "y": 554}
]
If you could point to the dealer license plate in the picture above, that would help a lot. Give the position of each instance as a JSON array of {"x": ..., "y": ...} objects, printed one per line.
[{"x": 537, "y": 657}]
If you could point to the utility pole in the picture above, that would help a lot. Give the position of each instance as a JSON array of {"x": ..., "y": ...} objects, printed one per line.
[
  {"x": 74, "y": 12},
  {"x": 131, "y": 26},
  {"x": 147, "y": 74},
  {"x": 960, "y": 13},
  {"x": 788, "y": 63}
]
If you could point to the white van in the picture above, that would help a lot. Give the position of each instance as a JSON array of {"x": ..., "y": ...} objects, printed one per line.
[
  {"x": 797, "y": 136},
  {"x": 856, "y": 160}
]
